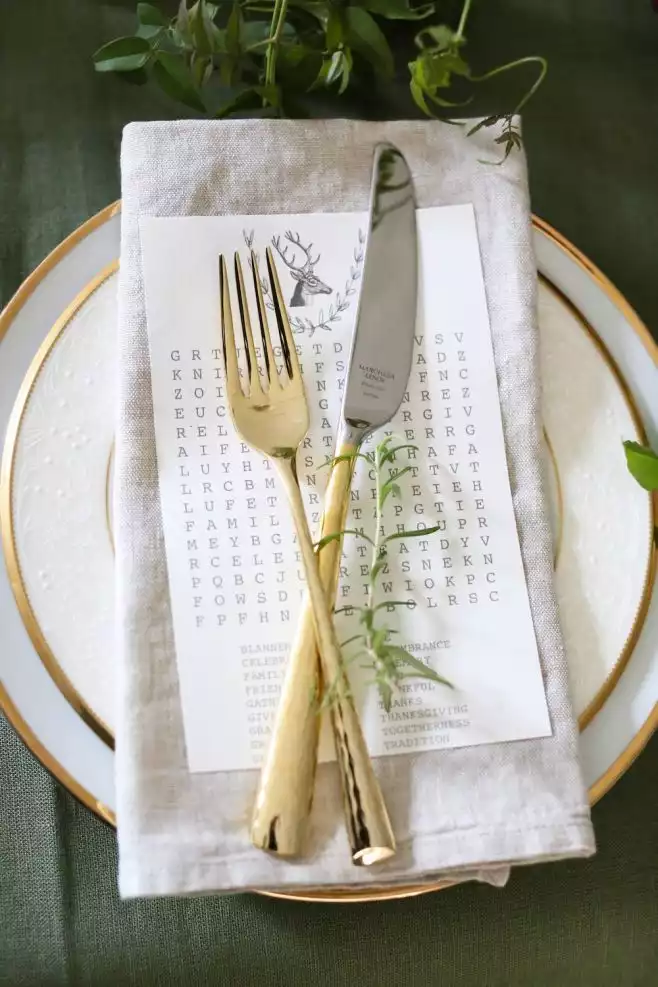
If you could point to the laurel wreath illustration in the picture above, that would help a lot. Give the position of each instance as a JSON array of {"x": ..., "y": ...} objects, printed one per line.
[{"x": 337, "y": 308}]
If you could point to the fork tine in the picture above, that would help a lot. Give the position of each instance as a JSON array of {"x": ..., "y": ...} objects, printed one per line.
[
  {"x": 287, "y": 342},
  {"x": 228, "y": 336},
  {"x": 252, "y": 363},
  {"x": 270, "y": 362}
]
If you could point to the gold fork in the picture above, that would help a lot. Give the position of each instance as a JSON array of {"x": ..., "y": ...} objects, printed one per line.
[{"x": 274, "y": 421}]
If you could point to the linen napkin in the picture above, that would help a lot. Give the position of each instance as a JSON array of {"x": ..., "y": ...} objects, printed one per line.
[{"x": 460, "y": 813}]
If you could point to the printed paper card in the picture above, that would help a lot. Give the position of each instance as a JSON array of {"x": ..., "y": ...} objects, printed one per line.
[{"x": 235, "y": 572}]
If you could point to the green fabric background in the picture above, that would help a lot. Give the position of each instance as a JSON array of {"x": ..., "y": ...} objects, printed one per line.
[{"x": 592, "y": 142}]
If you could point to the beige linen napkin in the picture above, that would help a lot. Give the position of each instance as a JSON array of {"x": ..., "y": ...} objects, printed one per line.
[{"x": 458, "y": 814}]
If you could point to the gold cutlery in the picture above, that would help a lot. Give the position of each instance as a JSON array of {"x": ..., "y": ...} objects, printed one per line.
[
  {"x": 377, "y": 378},
  {"x": 274, "y": 420}
]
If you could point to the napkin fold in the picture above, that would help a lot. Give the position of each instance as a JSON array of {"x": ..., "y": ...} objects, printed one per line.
[{"x": 459, "y": 814}]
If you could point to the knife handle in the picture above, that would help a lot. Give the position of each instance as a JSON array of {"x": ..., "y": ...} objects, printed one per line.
[{"x": 285, "y": 791}]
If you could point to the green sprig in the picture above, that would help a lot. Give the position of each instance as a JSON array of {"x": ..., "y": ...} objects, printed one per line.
[
  {"x": 642, "y": 464},
  {"x": 262, "y": 56},
  {"x": 390, "y": 663}
]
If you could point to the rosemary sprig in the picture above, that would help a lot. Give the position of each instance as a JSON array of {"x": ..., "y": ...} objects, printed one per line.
[{"x": 372, "y": 642}]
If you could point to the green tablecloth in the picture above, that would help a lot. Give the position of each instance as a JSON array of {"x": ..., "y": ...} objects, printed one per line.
[{"x": 592, "y": 140}]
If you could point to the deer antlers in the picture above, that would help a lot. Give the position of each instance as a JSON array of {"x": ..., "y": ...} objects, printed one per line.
[{"x": 295, "y": 240}]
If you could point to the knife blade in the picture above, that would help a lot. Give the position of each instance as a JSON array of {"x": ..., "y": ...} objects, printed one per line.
[
  {"x": 382, "y": 345},
  {"x": 377, "y": 378}
]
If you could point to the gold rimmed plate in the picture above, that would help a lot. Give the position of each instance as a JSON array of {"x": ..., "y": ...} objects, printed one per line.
[{"x": 57, "y": 381}]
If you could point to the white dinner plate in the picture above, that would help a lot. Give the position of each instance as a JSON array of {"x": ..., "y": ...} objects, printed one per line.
[{"x": 57, "y": 396}]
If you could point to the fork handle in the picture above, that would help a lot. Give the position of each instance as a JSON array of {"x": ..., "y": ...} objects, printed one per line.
[
  {"x": 287, "y": 777},
  {"x": 286, "y": 787}
]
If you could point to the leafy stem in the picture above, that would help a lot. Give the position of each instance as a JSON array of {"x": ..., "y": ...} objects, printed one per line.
[
  {"x": 231, "y": 57},
  {"x": 390, "y": 663},
  {"x": 376, "y": 543},
  {"x": 528, "y": 60},
  {"x": 459, "y": 33},
  {"x": 278, "y": 21},
  {"x": 510, "y": 136}
]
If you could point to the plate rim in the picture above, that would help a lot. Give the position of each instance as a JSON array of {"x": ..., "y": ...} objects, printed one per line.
[
  {"x": 606, "y": 688},
  {"x": 12, "y": 556},
  {"x": 7, "y": 530},
  {"x": 596, "y": 791}
]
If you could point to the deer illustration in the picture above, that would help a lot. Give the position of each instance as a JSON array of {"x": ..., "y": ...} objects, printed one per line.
[{"x": 308, "y": 283}]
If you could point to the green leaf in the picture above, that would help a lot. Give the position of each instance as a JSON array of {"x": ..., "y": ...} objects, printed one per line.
[
  {"x": 447, "y": 103},
  {"x": 439, "y": 37},
  {"x": 346, "y": 72},
  {"x": 175, "y": 79},
  {"x": 337, "y": 535},
  {"x": 254, "y": 32},
  {"x": 366, "y": 38},
  {"x": 201, "y": 29},
  {"x": 183, "y": 20},
  {"x": 339, "y": 66},
  {"x": 138, "y": 77},
  {"x": 217, "y": 39},
  {"x": 386, "y": 694},
  {"x": 420, "y": 668},
  {"x": 642, "y": 463},
  {"x": 258, "y": 32},
  {"x": 377, "y": 568},
  {"x": 152, "y": 23},
  {"x": 148, "y": 14},
  {"x": 409, "y": 604},
  {"x": 419, "y": 97},
  {"x": 335, "y": 29},
  {"x": 399, "y": 10},
  {"x": 367, "y": 617},
  {"x": 351, "y": 640},
  {"x": 122, "y": 55},
  {"x": 416, "y": 533},
  {"x": 437, "y": 69},
  {"x": 487, "y": 122},
  {"x": 250, "y": 99},
  {"x": 348, "y": 456},
  {"x": 298, "y": 66},
  {"x": 327, "y": 539},
  {"x": 233, "y": 29},
  {"x": 309, "y": 14},
  {"x": 379, "y": 638},
  {"x": 389, "y": 455},
  {"x": 269, "y": 94},
  {"x": 398, "y": 473},
  {"x": 391, "y": 487},
  {"x": 201, "y": 69},
  {"x": 509, "y": 137},
  {"x": 149, "y": 32}
]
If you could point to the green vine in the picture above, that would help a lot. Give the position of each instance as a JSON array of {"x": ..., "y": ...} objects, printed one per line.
[
  {"x": 263, "y": 56},
  {"x": 372, "y": 643}
]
